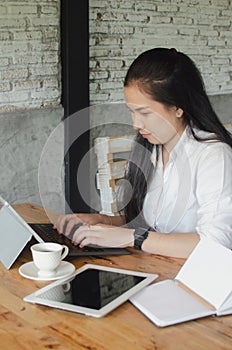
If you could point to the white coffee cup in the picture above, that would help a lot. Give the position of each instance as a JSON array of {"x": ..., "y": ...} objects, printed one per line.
[{"x": 47, "y": 257}]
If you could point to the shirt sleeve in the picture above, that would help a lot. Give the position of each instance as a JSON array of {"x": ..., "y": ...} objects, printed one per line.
[{"x": 214, "y": 193}]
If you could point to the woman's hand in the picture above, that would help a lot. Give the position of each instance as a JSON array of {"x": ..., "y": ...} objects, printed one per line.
[
  {"x": 65, "y": 223},
  {"x": 104, "y": 235}
]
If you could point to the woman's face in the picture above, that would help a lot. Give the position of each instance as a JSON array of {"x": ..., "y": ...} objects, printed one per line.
[{"x": 153, "y": 120}]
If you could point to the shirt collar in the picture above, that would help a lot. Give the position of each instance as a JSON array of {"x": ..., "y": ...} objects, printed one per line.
[{"x": 180, "y": 145}]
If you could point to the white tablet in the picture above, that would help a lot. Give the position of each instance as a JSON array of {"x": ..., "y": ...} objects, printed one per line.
[{"x": 92, "y": 290}]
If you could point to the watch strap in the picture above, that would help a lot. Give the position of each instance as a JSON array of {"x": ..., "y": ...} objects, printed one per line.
[{"x": 140, "y": 234}]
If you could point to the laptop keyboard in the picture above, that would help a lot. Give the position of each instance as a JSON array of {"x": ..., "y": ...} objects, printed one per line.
[{"x": 49, "y": 234}]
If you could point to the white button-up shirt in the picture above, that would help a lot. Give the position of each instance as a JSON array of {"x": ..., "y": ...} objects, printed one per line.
[{"x": 193, "y": 193}]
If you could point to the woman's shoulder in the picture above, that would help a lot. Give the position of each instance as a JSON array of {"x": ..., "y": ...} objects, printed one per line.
[{"x": 207, "y": 141}]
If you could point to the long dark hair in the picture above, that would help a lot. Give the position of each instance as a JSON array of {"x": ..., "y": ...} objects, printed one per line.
[{"x": 171, "y": 78}]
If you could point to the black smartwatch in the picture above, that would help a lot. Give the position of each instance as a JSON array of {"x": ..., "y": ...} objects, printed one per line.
[{"x": 140, "y": 234}]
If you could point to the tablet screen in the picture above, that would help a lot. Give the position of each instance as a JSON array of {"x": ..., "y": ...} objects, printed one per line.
[{"x": 92, "y": 288}]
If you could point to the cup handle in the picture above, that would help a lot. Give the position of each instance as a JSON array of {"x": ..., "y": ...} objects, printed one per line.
[
  {"x": 66, "y": 287},
  {"x": 65, "y": 252}
]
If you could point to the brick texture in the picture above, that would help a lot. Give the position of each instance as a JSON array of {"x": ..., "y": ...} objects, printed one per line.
[
  {"x": 119, "y": 31},
  {"x": 29, "y": 54},
  {"x": 122, "y": 29}
]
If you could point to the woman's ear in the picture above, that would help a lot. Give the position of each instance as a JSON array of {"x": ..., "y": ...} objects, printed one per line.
[{"x": 179, "y": 112}]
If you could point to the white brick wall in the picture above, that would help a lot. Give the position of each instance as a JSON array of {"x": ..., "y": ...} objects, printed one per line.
[
  {"x": 29, "y": 54},
  {"x": 121, "y": 29}
]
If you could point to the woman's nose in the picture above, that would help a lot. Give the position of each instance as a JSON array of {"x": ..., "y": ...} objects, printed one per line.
[{"x": 137, "y": 122}]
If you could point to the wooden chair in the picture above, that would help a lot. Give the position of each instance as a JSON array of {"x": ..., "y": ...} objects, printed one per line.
[
  {"x": 112, "y": 153},
  {"x": 111, "y": 167},
  {"x": 228, "y": 126}
]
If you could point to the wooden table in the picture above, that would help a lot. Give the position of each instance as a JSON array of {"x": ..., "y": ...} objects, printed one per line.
[{"x": 32, "y": 327}]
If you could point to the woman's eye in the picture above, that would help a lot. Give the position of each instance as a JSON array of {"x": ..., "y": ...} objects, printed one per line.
[{"x": 146, "y": 114}]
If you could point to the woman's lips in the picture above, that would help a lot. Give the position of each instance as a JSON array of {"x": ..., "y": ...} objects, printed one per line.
[{"x": 144, "y": 135}]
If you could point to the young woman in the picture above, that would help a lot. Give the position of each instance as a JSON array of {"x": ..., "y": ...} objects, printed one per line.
[{"x": 180, "y": 169}]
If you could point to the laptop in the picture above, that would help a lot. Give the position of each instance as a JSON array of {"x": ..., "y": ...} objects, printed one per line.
[{"x": 15, "y": 233}]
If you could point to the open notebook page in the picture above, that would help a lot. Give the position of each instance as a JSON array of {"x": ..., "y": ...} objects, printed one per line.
[
  {"x": 226, "y": 308},
  {"x": 166, "y": 303},
  {"x": 207, "y": 272}
]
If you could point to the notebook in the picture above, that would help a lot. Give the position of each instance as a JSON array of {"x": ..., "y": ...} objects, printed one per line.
[
  {"x": 203, "y": 287},
  {"x": 15, "y": 233}
]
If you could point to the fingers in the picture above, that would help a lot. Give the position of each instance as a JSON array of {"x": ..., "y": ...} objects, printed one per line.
[
  {"x": 65, "y": 223},
  {"x": 71, "y": 226},
  {"x": 90, "y": 241},
  {"x": 59, "y": 222},
  {"x": 103, "y": 236},
  {"x": 84, "y": 236}
]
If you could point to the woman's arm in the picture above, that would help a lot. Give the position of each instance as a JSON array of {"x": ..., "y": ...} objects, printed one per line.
[
  {"x": 178, "y": 245},
  {"x": 118, "y": 220},
  {"x": 214, "y": 194},
  {"x": 65, "y": 223}
]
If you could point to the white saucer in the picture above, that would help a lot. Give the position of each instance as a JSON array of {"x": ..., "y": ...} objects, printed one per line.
[{"x": 29, "y": 270}]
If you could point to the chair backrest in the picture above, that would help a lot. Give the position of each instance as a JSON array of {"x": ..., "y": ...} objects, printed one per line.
[
  {"x": 112, "y": 153},
  {"x": 228, "y": 126}
]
